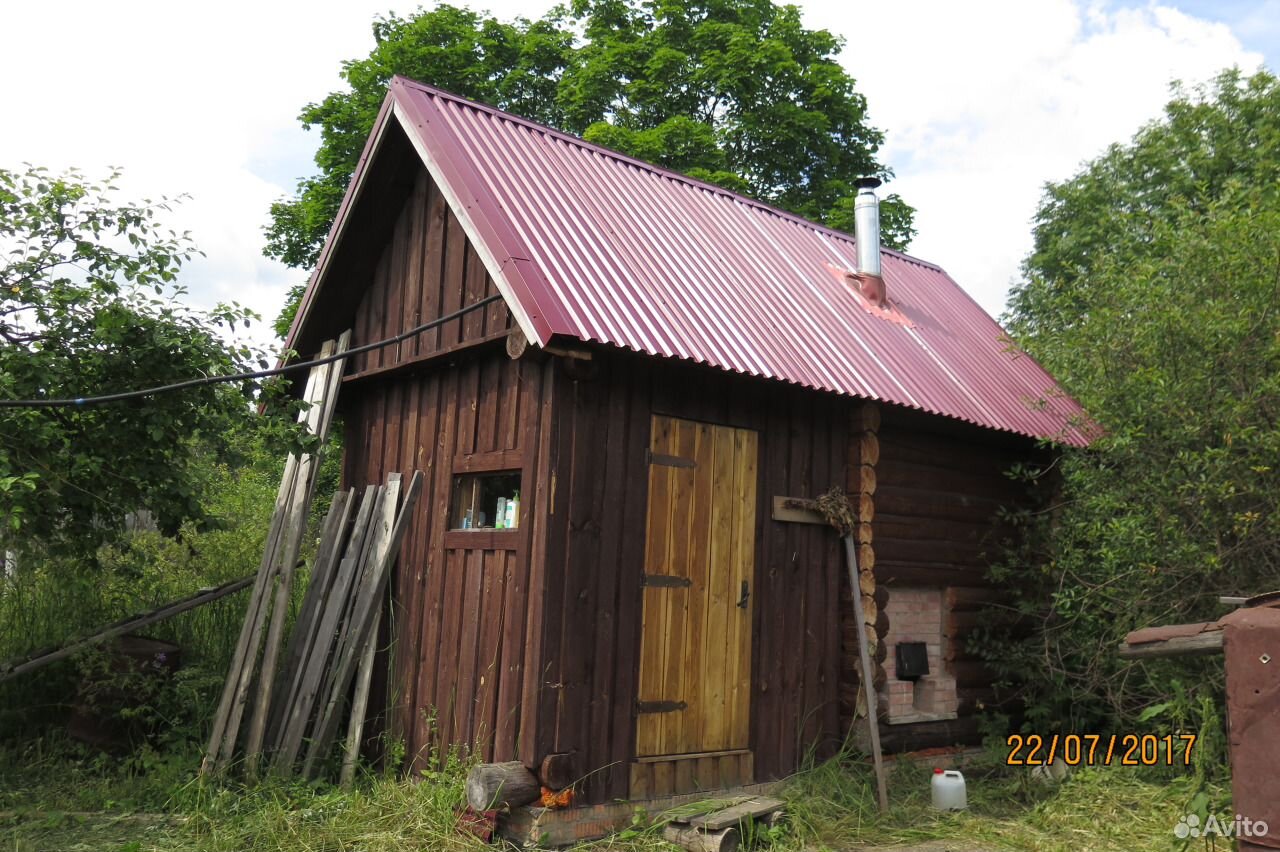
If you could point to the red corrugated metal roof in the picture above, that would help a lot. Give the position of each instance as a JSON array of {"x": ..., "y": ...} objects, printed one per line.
[{"x": 587, "y": 243}]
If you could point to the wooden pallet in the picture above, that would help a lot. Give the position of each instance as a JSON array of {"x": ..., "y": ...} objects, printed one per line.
[{"x": 721, "y": 830}]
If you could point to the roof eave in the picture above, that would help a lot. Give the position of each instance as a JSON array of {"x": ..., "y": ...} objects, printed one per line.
[{"x": 371, "y": 147}]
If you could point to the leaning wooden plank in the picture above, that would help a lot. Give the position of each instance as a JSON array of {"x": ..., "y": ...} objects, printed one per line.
[
  {"x": 214, "y": 757},
  {"x": 315, "y": 657},
  {"x": 328, "y": 555},
  {"x": 346, "y": 605},
  {"x": 864, "y": 658},
  {"x": 1198, "y": 645},
  {"x": 359, "y": 703},
  {"x": 316, "y": 383},
  {"x": 350, "y": 642},
  {"x": 42, "y": 658},
  {"x": 296, "y": 527},
  {"x": 368, "y": 603}
]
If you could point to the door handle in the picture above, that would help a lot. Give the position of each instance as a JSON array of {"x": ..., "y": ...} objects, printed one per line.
[{"x": 746, "y": 593}]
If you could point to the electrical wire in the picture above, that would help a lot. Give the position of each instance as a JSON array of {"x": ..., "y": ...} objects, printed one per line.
[{"x": 80, "y": 402}]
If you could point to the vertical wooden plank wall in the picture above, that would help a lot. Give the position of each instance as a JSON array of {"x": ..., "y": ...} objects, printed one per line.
[
  {"x": 595, "y": 552},
  {"x": 461, "y": 601},
  {"x": 437, "y": 402},
  {"x": 427, "y": 269}
]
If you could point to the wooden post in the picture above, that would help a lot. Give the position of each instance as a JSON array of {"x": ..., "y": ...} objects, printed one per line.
[{"x": 868, "y": 688}]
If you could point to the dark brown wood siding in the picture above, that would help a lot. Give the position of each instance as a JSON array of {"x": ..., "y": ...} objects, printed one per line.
[
  {"x": 595, "y": 553},
  {"x": 462, "y": 600},
  {"x": 427, "y": 269},
  {"x": 443, "y": 402}
]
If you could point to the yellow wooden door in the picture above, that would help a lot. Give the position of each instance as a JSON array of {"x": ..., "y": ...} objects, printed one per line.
[{"x": 695, "y": 654}]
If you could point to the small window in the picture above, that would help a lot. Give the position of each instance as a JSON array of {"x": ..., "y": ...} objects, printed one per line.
[{"x": 486, "y": 501}]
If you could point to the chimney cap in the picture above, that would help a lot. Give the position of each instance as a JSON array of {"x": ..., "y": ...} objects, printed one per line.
[{"x": 867, "y": 182}]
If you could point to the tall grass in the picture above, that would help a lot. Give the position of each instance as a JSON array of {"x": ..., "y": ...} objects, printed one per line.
[{"x": 45, "y": 601}]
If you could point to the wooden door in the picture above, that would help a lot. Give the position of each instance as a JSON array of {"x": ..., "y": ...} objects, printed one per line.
[{"x": 695, "y": 655}]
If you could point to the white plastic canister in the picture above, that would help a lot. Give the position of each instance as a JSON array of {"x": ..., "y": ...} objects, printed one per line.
[{"x": 948, "y": 790}]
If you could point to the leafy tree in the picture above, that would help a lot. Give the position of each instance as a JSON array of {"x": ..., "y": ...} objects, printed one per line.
[
  {"x": 735, "y": 92},
  {"x": 87, "y": 306},
  {"x": 1153, "y": 293}
]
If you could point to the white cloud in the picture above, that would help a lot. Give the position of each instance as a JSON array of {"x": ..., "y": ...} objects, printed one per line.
[{"x": 983, "y": 103}]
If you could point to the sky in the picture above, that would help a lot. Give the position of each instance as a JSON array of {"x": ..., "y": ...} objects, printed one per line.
[{"x": 982, "y": 103}]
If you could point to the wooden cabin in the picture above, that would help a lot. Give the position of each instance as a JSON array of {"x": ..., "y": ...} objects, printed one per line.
[{"x": 603, "y": 567}]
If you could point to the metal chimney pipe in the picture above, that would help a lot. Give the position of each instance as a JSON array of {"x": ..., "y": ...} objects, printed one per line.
[{"x": 866, "y": 225}]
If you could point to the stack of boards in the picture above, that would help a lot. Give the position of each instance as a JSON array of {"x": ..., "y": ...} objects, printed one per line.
[{"x": 301, "y": 693}]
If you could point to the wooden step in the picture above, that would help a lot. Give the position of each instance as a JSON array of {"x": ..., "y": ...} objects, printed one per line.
[{"x": 740, "y": 812}]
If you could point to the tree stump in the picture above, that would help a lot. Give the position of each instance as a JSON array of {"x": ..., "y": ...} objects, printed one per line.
[{"x": 494, "y": 786}]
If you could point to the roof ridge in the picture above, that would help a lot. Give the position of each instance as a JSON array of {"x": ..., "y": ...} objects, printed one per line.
[{"x": 660, "y": 171}]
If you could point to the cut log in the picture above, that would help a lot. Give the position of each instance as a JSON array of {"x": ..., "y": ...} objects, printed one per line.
[
  {"x": 866, "y": 506},
  {"x": 862, "y": 479},
  {"x": 862, "y": 534},
  {"x": 869, "y": 609},
  {"x": 697, "y": 840},
  {"x": 868, "y": 417},
  {"x": 494, "y": 786},
  {"x": 869, "y": 448},
  {"x": 556, "y": 772},
  {"x": 517, "y": 343}
]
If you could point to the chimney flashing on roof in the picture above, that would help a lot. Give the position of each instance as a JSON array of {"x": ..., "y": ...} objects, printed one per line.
[
  {"x": 869, "y": 298},
  {"x": 870, "y": 287}
]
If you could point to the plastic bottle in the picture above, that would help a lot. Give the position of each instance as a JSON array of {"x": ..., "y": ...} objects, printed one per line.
[
  {"x": 948, "y": 790},
  {"x": 500, "y": 516},
  {"x": 513, "y": 512}
]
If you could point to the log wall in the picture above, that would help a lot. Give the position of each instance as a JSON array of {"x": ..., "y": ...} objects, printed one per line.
[{"x": 939, "y": 487}]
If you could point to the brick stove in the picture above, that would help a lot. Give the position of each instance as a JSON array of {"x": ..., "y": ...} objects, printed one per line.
[{"x": 915, "y": 614}]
